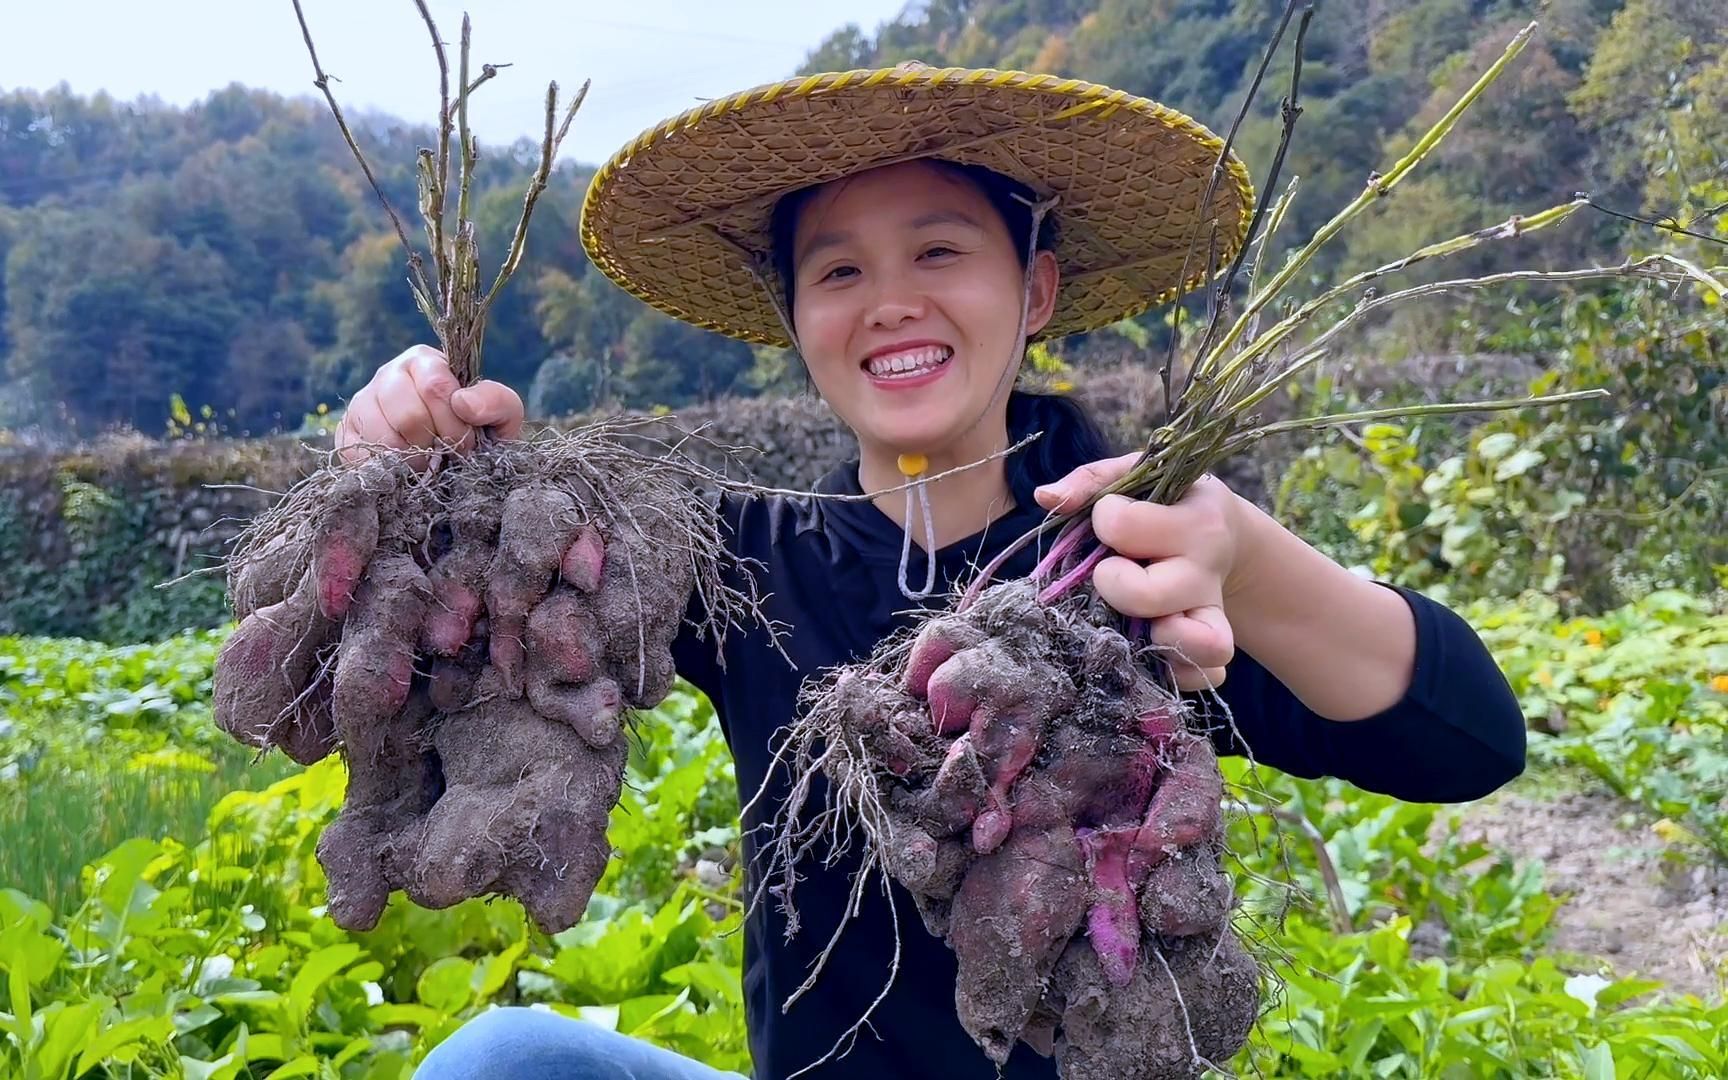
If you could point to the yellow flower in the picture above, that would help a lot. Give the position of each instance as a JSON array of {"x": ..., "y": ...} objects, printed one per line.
[
  {"x": 1594, "y": 638},
  {"x": 1672, "y": 832},
  {"x": 1544, "y": 677},
  {"x": 1719, "y": 683},
  {"x": 1062, "y": 386}
]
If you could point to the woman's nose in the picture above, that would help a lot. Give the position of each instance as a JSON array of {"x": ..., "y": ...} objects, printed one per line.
[{"x": 892, "y": 304}]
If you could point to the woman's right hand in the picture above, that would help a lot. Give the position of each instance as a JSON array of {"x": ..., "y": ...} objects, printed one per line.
[{"x": 414, "y": 403}]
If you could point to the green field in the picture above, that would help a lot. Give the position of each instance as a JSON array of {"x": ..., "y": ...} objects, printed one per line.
[{"x": 161, "y": 907}]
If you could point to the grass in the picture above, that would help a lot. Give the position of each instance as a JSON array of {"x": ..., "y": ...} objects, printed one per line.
[{"x": 53, "y": 823}]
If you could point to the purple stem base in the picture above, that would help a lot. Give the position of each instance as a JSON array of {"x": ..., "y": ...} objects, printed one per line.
[{"x": 1065, "y": 584}]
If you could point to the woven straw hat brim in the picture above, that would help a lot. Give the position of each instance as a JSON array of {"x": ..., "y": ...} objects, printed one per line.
[{"x": 680, "y": 215}]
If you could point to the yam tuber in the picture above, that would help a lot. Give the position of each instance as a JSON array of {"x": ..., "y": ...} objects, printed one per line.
[
  {"x": 472, "y": 642},
  {"x": 267, "y": 665},
  {"x": 536, "y": 529},
  {"x": 1012, "y": 916},
  {"x": 1056, "y": 822}
]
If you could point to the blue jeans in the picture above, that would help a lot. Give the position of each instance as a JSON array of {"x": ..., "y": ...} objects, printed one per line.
[{"x": 518, "y": 1043}]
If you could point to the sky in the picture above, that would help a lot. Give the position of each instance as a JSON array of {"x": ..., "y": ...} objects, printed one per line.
[{"x": 648, "y": 59}]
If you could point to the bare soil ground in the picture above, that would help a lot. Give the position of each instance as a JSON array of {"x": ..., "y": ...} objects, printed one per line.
[{"x": 1623, "y": 902}]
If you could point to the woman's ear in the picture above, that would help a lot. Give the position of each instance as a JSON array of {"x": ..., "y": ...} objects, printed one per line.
[{"x": 1041, "y": 304}]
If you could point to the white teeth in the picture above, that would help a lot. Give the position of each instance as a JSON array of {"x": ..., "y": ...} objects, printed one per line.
[{"x": 911, "y": 362}]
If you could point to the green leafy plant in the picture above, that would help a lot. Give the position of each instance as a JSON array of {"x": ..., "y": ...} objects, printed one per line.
[
  {"x": 191, "y": 948},
  {"x": 1485, "y": 517},
  {"x": 1637, "y": 696},
  {"x": 214, "y": 958}
]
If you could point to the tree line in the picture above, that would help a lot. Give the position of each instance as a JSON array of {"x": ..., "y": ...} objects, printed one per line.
[{"x": 230, "y": 252}]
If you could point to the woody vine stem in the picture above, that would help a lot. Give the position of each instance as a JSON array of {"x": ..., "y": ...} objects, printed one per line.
[{"x": 455, "y": 303}]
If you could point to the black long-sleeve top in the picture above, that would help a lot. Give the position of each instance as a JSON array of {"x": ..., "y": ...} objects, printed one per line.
[{"x": 830, "y": 570}]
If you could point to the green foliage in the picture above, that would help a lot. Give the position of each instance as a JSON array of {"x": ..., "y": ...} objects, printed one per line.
[
  {"x": 1637, "y": 696},
  {"x": 1480, "y": 519},
  {"x": 1654, "y": 55},
  {"x": 1599, "y": 501},
  {"x": 671, "y": 362},
  {"x": 98, "y": 744},
  {"x": 212, "y": 957},
  {"x": 372, "y": 312},
  {"x": 169, "y": 958},
  {"x": 776, "y": 371},
  {"x": 564, "y": 385},
  {"x": 1367, "y": 1007},
  {"x": 681, "y": 804},
  {"x": 1441, "y": 973},
  {"x": 231, "y": 253},
  {"x": 109, "y": 316},
  {"x": 616, "y": 351}
]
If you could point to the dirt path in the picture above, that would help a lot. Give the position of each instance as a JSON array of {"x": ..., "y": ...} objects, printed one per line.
[{"x": 1625, "y": 906}]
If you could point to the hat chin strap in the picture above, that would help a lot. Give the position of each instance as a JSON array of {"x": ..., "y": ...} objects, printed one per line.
[{"x": 914, "y": 466}]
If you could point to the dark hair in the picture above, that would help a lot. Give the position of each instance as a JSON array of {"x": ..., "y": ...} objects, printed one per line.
[{"x": 1071, "y": 436}]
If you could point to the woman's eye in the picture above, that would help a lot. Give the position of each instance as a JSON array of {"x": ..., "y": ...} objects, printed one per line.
[
  {"x": 938, "y": 251},
  {"x": 837, "y": 272}
]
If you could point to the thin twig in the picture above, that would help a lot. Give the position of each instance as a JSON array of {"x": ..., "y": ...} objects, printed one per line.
[
  {"x": 1668, "y": 223},
  {"x": 1377, "y": 187},
  {"x": 1170, "y": 351},
  {"x": 548, "y": 149},
  {"x": 1264, "y": 249},
  {"x": 1399, "y": 412},
  {"x": 464, "y": 141},
  {"x": 488, "y": 72},
  {"x": 1371, "y": 302},
  {"x": 322, "y": 82},
  {"x": 1290, "y": 109},
  {"x": 1218, "y": 168},
  {"x": 1341, "y": 921},
  {"x": 440, "y": 179}
]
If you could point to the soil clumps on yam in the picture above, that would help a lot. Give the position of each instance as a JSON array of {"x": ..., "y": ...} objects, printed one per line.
[
  {"x": 1040, "y": 794},
  {"x": 471, "y": 639}
]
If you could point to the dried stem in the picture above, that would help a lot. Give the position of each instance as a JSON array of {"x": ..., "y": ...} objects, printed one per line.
[
  {"x": 1289, "y": 110},
  {"x": 1669, "y": 223},
  {"x": 1377, "y": 187},
  {"x": 1396, "y": 412},
  {"x": 464, "y": 140},
  {"x": 1211, "y": 418},
  {"x": 1514, "y": 226},
  {"x": 322, "y": 82},
  {"x": 455, "y": 307},
  {"x": 1341, "y": 921},
  {"x": 1265, "y": 244},
  {"x": 548, "y": 150},
  {"x": 433, "y": 208},
  {"x": 1218, "y": 168},
  {"x": 1372, "y": 303}
]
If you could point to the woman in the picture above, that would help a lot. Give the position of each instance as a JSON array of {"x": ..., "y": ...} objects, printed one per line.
[{"x": 909, "y": 231}]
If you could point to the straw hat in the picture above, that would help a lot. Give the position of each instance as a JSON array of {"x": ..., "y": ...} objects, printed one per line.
[{"x": 680, "y": 216}]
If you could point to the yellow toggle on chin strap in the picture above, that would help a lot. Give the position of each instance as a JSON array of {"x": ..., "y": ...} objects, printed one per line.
[{"x": 913, "y": 466}]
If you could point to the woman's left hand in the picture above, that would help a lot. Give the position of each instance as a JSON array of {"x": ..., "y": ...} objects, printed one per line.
[{"x": 1173, "y": 564}]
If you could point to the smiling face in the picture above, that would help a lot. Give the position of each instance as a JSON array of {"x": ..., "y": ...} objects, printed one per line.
[{"x": 907, "y": 290}]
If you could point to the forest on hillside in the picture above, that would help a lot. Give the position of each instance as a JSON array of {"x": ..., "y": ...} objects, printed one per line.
[{"x": 230, "y": 254}]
